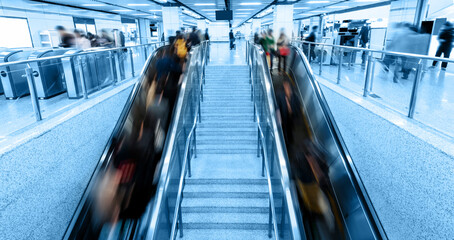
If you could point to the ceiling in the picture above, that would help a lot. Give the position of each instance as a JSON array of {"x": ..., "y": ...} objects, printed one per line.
[{"x": 243, "y": 10}]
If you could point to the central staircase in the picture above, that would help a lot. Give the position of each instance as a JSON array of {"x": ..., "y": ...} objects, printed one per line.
[{"x": 226, "y": 197}]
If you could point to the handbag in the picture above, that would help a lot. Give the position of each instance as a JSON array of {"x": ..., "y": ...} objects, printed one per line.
[{"x": 284, "y": 51}]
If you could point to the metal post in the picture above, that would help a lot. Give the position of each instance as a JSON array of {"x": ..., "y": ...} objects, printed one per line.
[
  {"x": 82, "y": 78},
  {"x": 112, "y": 67},
  {"x": 263, "y": 162},
  {"x": 367, "y": 75},
  {"x": 414, "y": 92},
  {"x": 200, "y": 114},
  {"x": 270, "y": 221},
  {"x": 258, "y": 142},
  {"x": 339, "y": 69},
  {"x": 372, "y": 74},
  {"x": 309, "y": 53},
  {"x": 180, "y": 219},
  {"x": 321, "y": 62},
  {"x": 195, "y": 143},
  {"x": 132, "y": 62},
  {"x": 145, "y": 52},
  {"x": 34, "y": 96},
  {"x": 118, "y": 60}
]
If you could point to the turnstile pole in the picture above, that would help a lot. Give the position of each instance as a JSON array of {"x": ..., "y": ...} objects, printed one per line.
[
  {"x": 414, "y": 92},
  {"x": 368, "y": 75},
  {"x": 339, "y": 69},
  {"x": 82, "y": 78},
  {"x": 132, "y": 62},
  {"x": 34, "y": 96},
  {"x": 112, "y": 67}
]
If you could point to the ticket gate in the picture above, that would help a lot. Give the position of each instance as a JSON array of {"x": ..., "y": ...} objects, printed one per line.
[
  {"x": 49, "y": 76},
  {"x": 13, "y": 78},
  {"x": 97, "y": 72}
]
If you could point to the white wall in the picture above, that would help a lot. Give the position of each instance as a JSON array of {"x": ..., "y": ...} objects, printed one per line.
[{"x": 219, "y": 31}]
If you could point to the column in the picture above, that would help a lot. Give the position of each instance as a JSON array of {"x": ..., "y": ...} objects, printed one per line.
[
  {"x": 256, "y": 25},
  {"x": 171, "y": 20},
  {"x": 144, "y": 31},
  {"x": 283, "y": 20},
  {"x": 247, "y": 30},
  {"x": 201, "y": 24}
]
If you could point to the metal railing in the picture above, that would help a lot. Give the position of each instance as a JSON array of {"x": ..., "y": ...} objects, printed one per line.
[
  {"x": 270, "y": 147},
  {"x": 165, "y": 211},
  {"x": 403, "y": 63},
  {"x": 114, "y": 62},
  {"x": 177, "y": 224}
]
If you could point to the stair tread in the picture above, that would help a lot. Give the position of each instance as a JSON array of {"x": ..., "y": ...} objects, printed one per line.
[
  {"x": 225, "y": 218},
  {"x": 225, "y": 234}
]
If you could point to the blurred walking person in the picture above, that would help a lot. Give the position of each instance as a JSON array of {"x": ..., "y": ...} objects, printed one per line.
[
  {"x": 232, "y": 39},
  {"x": 283, "y": 51},
  {"x": 445, "y": 38},
  {"x": 312, "y": 38},
  {"x": 67, "y": 39},
  {"x": 364, "y": 39},
  {"x": 270, "y": 42},
  {"x": 82, "y": 42}
]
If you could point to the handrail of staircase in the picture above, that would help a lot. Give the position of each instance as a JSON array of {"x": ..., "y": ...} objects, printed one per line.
[
  {"x": 272, "y": 217},
  {"x": 186, "y": 167},
  {"x": 285, "y": 178}
]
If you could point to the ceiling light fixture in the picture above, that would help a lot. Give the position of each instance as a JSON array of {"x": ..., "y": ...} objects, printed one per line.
[
  {"x": 300, "y": 8},
  {"x": 122, "y": 10},
  {"x": 245, "y": 9},
  {"x": 250, "y": 3},
  {"x": 94, "y": 5},
  {"x": 138, "y": 4},
  {"x": 204, "y": 4},
  {"x": 312, "y": 2}
]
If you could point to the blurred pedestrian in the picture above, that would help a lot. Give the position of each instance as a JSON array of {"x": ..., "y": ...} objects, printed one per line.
[
  {"x": 256, "y": 38},
  {"x": 283, "y": 51},
  {"x": 270, "y": 42},
  {"x": 312, "y": 38},
  {"x": 106, "y": 40},
  {"x": 67, "y": 39},
  {"x": 445, "y": 38},
  {"x": 364, "y": 39},
  {"x": 193, "y": 39},
  {"x": 93, "y": 39},
  {"x": 231, "y": 39},
  {"x": 207, "y": 36},
  {"x": 181, "y": 47},
  {"x": 81, "y": 41}
]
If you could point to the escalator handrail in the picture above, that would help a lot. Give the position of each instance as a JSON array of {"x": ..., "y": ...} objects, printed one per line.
[
  {"x": 186, "y": 151},
  {"x": 108, "y": 150},
  {"x": 162, "y": 185},
  {"x": 342, "y": 147},
  {"x": 283, "y": 162}
]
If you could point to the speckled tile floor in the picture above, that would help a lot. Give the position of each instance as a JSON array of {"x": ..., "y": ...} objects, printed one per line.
[
  {"x": 41, "y": 181},
  {"x": 408, "y": 180}
]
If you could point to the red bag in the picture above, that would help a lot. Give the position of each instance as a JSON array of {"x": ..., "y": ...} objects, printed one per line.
[{"x": 284, "y": 51}]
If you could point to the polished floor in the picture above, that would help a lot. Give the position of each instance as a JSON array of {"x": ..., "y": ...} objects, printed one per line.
[{"x": 435, "y": 99}]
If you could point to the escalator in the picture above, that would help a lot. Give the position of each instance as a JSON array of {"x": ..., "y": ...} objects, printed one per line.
[
  {"x": 312, "y": 189},
  {"x": 327, "y": 192},
  {"x": 120, "y": 197}
]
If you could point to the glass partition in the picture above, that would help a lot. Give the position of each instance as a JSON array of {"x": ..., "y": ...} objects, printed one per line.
[{"x": 417, "y": 86}]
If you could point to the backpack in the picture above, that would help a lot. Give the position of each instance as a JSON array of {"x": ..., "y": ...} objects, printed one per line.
[{"x": 180, "y": 45}]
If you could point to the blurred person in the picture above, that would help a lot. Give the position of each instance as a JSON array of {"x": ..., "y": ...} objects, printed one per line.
[
  {"x": 67, "y": 39},
  {"x": 363, "y": 40},
  {"x": 256, "y": 38},
  {"x": 231, "y": 39},
  {"x": 445, "y": 37},
  {"x": 181, "y": 47},
  {"x": 193, "y": 39},
  {"x": 93, "y": 39},
  {"x": 289, "y": 110},
  {"x": 105, "y": 40},
  {"x": 312, "y": 38},
  {"x": 168, "y": 75},
  {"x": 81, "y": 41},
  {"x": 270, "y": 42},
  {"x": 283, "y": 51},
  {"x": 207, "y": 36}
]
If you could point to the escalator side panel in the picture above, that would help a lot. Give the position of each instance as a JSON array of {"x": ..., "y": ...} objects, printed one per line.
[{"x": 359, "y": 217}]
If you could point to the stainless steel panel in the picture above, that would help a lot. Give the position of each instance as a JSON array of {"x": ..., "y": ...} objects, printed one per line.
[{"x": 13, "y": 77}]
